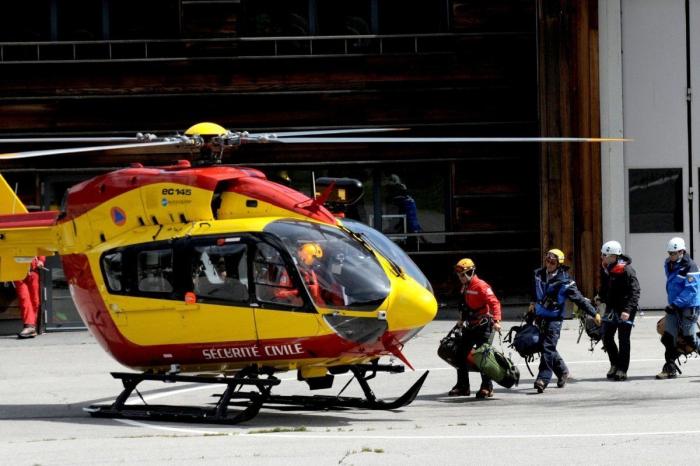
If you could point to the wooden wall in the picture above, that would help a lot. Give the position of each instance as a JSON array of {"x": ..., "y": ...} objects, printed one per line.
[{"x": 569, "y": 106}]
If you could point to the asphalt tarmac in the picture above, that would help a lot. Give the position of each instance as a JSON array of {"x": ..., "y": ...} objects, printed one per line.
[{"x": 45, "y": 383}]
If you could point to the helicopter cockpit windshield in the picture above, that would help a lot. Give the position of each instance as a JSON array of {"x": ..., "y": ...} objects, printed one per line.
[
  {"x": 336, "y": 269},
  {"x": 388, "y": 249}
]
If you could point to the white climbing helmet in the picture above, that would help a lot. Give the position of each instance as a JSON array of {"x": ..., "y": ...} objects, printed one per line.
[
  {"x": 612, "y": 247},
  {"x": 676, "y": 244}
]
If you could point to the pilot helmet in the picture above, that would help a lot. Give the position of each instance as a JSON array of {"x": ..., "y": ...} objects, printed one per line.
[{"x": 308, "y": 252}]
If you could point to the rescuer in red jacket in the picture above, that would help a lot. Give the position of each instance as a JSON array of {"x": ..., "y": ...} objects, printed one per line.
[
  {"x": 307, "y": 254},
  {"x": 480, "y": 313},
  {"x": 28, "y": 298}
]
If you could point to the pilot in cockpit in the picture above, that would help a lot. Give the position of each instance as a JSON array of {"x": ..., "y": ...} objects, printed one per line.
[{"x": 307, "y": 254}]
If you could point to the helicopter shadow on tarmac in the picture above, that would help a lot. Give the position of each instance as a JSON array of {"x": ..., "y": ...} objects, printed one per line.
[{"x": 275, "y": 416}]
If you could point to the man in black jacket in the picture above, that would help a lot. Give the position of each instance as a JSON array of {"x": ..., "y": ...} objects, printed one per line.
[{"x": 619, "y": 290}]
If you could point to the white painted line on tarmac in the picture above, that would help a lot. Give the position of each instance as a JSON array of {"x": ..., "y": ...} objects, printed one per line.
[
  {"x": 479, "y": 437},
  {"x": 172, "y": 429},
  {"x": 312, "y": 436}
]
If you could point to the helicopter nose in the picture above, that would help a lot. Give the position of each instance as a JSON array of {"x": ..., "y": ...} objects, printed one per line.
[{"x": 411, "y": 305}]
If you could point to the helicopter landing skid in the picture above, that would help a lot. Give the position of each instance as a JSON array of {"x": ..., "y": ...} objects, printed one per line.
[
  {"x": 370, "y": 401},
  {"x": 250, "y": 402},
  {"x": 218, "y": 414}
]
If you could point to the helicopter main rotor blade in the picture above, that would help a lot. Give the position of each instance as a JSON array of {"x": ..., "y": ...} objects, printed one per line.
[
  {"x": 342, "y": 140},
  {"x": 82, "y": 139},
  {"x": 75, "y": 150},
  {"x": 286, "y": 134}
]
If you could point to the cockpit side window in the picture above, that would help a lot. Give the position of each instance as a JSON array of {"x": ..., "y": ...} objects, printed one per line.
[
  {"x": 335, "y": 268},
  {"x": 273, "y": 280}
]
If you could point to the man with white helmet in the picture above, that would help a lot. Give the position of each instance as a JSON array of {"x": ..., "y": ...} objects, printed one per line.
[
  {"x": 683, "y": 303},
  {"x": 619, "y": 290}
]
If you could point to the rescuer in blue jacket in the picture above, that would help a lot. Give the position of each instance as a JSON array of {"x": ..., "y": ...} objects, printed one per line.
[
  {"x": 553, "y": 286},
  {"x": 683, "y": 304}
]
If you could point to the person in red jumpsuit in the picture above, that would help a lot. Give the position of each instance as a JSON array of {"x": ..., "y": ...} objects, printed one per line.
[
  {"x": 480, "y": 314},
  {"x": 28, "y": 298},
  {"x": 307, "y": 254}
]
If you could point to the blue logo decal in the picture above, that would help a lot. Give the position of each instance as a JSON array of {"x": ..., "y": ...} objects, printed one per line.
[
  {"x": 164, "y": 202},
  {"x": 118, "y": 216}
]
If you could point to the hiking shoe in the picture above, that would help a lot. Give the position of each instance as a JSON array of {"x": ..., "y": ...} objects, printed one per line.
[
  {"x": 540, "y": 385},
  {"x": 620, "y": 376},
  {"x": 611, "y": 373},
  {"x": 666, "y": 374},
  {"x": 459, "y": 391},
  {"x": 28, "y": 331},
  {"x": 484, "y": 392},
  {"x": 561, "y": 381}
]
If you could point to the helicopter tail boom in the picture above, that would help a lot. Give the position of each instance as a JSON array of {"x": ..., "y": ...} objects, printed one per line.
[{"x": 23, "y": 235}]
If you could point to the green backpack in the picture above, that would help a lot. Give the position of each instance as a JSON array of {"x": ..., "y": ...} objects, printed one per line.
[{"x": 496, "y": 366}]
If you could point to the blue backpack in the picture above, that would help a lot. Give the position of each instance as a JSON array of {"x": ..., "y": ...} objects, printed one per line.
[{"x": 527, "y": 341}]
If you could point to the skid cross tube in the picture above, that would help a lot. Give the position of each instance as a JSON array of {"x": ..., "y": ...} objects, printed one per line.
[
  {"x": 218, "y": 414},
  {"x": 370, "y": 401}
]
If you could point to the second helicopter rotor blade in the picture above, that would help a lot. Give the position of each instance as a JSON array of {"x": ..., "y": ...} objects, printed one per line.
[
  {"x": 286, "y": 134},
  {"x": 362, "y": 140},
  {"x": 75, "y": 150},
  {"x": 76, "y": 139}
]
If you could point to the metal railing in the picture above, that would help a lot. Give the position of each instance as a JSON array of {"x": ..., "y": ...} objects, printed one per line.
[{"x": 236, "y": 47}]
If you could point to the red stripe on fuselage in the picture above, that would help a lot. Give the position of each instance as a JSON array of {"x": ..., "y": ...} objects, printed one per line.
[
  {"x": 94, "y": 312},
  {"x": 246, "y": 181},
  {"x": 31, "y": 219}
]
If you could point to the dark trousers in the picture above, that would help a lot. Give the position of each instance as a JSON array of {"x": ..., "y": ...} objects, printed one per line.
[
  {"x": 620, "y": 358},
  {"x": 551, "y": 361},
  {"x": 473, "y": 337},
  {"x": 679, "y": 323}
]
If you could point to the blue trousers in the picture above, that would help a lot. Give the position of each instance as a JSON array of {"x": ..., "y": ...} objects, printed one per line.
[{"x": 551, "y": 361}]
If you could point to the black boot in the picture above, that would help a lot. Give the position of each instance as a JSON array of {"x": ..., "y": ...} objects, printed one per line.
[{"x": 462, "y": 386}]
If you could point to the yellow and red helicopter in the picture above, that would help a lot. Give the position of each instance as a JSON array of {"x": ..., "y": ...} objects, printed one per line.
[{"x": 194, "y": 272}]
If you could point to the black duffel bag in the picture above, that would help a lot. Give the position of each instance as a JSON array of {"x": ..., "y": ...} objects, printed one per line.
[{"x": 449, "y": 346}]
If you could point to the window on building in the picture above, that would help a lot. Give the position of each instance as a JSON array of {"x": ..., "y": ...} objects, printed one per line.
[
  {"x": 413, "y": 205},
  {"x": 135, "y": 19},
  {"x": 26, "y": 21},
  {"x": 269, "y": 18},
  {"x": 79, "y": 20},
  {"x": 412, "y": 16},
  {"x": 344, "y": 17},
  {"x": 207, "y": 18},
  {"x": 656, "y": 200}
]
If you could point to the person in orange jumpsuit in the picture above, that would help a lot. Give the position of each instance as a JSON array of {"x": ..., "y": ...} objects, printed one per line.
[
  {"x": 29, "y": 299},
  {"x": 480, "y": 313},
  {"x": 307, "y": 254}
]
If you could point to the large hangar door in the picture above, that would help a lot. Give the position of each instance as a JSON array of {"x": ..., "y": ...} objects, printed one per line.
[
  {"x": 656, "y": 116},
  {"x": 694, "y": 119}
]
